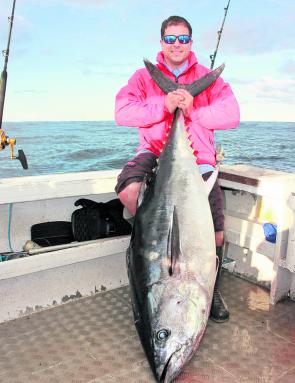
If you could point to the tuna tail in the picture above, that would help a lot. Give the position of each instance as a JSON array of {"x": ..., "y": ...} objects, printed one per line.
[
  {"x": 204, "y": 82},
  {"x": 195, "y": 88},
  {"x": 173, "y": 245},
  {"x": 162, "y": 81}
]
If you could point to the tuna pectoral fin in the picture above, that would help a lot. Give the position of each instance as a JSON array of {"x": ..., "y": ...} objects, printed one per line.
[
  {"x": 211, "y": 181},
  {"x": 173, "y": 245}
]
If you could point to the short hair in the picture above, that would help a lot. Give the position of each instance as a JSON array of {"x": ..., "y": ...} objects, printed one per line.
[{"x": 175, "y": 20}]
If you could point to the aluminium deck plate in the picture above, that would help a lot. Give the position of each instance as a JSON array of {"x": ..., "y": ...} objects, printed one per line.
[{"x": 93, "y": 340}]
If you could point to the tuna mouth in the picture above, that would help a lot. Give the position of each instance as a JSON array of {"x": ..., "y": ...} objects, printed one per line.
[
  {"x": 170, "y": 369},
  {"x": 164, "y": 376}
]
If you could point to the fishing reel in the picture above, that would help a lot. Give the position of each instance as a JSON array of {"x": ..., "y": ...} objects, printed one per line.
[
  {"x": 219, "y": 154},
  {"x": 5, "y": 141}
]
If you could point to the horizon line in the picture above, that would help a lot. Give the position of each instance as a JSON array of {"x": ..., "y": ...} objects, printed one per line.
[{"x": 20, "y": 121}]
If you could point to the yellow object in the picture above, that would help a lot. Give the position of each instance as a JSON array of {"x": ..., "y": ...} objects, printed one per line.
[
  {"x": 267, "y": 211},
  {"x": 5, "y": 140}
]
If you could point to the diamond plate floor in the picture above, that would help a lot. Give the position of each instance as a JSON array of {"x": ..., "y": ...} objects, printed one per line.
[{"x": 93, "y": 340}]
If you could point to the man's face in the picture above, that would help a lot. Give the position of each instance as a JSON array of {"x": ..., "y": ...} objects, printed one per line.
[{"x": 176, "y": 54}]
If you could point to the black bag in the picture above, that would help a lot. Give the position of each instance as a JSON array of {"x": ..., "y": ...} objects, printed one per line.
[
  {"x": 98, "y": 220},
  {"x": 52, "y": 233}
]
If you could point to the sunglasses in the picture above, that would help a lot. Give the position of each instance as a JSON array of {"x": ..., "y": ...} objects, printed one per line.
[{"x": 183, "y": 39}]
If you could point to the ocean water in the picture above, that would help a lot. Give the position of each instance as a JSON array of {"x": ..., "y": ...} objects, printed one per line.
[{"x": 60, "y": 147}]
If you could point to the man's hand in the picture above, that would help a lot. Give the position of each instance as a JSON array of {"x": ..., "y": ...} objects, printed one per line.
[
  {"x": 172, "y": 100},
  {"x": 186, "y": 101}
]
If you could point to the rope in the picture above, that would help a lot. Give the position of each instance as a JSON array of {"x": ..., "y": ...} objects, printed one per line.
[{"x": 9, "y": 226}]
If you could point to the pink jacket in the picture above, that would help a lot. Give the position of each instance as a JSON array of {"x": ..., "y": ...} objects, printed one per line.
[{"x": 141, "y": 104}]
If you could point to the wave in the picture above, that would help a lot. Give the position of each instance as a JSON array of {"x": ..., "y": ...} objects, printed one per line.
[
  {"x": 85, "y": 154},
  {"x": 259, "y": 158}
]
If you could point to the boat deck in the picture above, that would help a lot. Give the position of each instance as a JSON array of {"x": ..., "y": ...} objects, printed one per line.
[{"x": 93, "y": 339}]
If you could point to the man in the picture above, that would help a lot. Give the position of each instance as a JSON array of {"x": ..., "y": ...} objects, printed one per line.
[{"x": 142, "y": 104}]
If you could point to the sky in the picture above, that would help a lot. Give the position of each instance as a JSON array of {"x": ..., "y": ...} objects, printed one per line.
[{"x": 69, "y": 58}]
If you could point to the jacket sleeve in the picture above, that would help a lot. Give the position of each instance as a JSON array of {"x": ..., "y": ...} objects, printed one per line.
[
  {"x": 134, "y": 109},
  {"x": 223, "y": 111}
]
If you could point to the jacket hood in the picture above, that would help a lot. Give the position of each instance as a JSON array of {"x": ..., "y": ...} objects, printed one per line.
[{"x": 192, "y": 60}]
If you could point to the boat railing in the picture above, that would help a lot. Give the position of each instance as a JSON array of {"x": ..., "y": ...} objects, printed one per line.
[{"x": 253, "y": 197}]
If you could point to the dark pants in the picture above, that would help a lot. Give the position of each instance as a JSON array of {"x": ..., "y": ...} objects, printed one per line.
[{"x": 142, "y": 164}]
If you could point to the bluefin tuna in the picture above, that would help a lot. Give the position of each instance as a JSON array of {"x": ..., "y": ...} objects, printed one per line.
[{"x": 171, "y": 259}]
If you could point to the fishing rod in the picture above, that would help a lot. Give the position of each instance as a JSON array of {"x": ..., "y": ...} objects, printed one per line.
[
  {"x": 219, "y": 149},
  {"x": 219, "y": 33},
  {"x": 4, "y": 139}
]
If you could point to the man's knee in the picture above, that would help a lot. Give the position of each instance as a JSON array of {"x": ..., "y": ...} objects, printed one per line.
[{"x": 129, "y": 195}]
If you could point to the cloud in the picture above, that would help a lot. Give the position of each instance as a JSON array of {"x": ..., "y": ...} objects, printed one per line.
[
  {"x": 21, "y": 36},
  {"x": 288, "y": 67},
  {"x": 238, "y": 81},
  {"x": 82, "y": 3},
  {"x": 279, "y": 2},
  {"x": 270, "y": 89},
  {"x": 31, "y": 91},
  {"x": 93, "y": 67},
  {"x": 109, "y": 74},
  {"x": 109, "y": 64},
  {"x": 21, "y": 27},
  {"x": 256, "y": 34},
  {"x": 88, "y": 2}
]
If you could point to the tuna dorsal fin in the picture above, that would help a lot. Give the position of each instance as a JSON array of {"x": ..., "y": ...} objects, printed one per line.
[
  {"x": 173, "y": 245},
  {"x": 211, "y": 181},
  {"x": 194, "y": 88}
]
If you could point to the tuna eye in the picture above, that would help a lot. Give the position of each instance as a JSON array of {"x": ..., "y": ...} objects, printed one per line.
[{"x": 162, "y": 335}]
